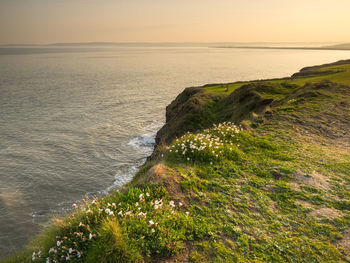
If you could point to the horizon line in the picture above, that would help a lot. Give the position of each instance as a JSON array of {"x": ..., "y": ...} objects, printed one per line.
[{"x": 164, "y": 42}]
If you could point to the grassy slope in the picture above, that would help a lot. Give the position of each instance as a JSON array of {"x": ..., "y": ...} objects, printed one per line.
[
  {"x": 277, "y": 191},
  {"x": 341, "y": 75}
]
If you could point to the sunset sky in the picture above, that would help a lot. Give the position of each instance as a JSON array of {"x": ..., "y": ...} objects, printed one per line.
[{"x": 50, "y": 21}]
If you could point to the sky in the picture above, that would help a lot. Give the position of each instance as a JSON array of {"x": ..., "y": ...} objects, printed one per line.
[{"x": 53, "y": 21}]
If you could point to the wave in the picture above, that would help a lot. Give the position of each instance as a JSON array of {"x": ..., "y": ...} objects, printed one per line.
[
  {"x": 147, "y": 140},
  {"x": 122, "y": 178},
  {"x": 144, "y": 144},
  {"x": 142, "y": 141}
]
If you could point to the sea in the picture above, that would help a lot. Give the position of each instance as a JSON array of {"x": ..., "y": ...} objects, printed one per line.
[{"x": 78, "y": 121}]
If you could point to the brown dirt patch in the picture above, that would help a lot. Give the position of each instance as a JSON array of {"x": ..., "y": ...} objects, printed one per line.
[
  {"x": 316, "y": 180},
  {"x": 170, "y": 179},
  {"x": 159, "y": 170},
  {"x": 304, "y": 203},
  {"x": 272, "y": 206},
  {"x": 294, "y": 185},
  {"x": 326, "y": 212}
]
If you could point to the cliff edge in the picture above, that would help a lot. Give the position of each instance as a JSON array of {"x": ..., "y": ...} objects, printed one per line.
[{"x": 254, "y": 171}]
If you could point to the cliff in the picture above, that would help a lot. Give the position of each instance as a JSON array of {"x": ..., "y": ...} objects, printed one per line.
[
  {"x": 253, "y": 171},
  {"x": 198, "y": 108}
]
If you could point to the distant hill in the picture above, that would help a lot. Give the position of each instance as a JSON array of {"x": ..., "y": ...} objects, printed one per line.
[{"x": 344, "y": 46}]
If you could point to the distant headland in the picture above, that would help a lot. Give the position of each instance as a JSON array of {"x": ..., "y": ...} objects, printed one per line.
[{"x": 345, "y": 46}]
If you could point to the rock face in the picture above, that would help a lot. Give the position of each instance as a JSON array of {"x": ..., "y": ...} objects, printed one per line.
[{"x": 190, "y": 111}]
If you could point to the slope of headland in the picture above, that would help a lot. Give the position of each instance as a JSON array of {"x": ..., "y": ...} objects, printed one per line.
[{"x": 254, "y": 171}]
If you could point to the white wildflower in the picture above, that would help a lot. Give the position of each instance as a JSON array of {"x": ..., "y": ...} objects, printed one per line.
[
  {"x": 108, "y": 211},
  {"x": 128, "y": 213}
]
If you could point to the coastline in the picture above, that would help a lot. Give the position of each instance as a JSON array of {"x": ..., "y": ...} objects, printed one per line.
[{"x": 262, "y": 109}]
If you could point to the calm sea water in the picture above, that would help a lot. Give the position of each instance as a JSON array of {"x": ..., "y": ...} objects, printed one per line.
[{"x": 78, "y": 121}]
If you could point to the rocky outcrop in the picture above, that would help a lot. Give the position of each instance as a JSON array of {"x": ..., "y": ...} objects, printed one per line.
[{"x": 190, "y": 111}]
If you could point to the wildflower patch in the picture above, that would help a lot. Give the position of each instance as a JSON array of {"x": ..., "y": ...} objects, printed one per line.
[
  {"x": 150, "y": 222},
  {"x": 214, "y": 144}
]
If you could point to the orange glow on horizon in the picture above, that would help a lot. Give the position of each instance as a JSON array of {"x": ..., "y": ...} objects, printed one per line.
[{"x": 34, "y": 21}]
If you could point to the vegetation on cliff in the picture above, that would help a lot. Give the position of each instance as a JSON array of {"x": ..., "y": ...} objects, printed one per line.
[{"x": 243, "y": 172}]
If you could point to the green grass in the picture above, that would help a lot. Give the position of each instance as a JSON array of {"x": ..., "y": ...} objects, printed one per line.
[
  {"x": 224, "y": 88},
  {"x": 256, "y": 211}
]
